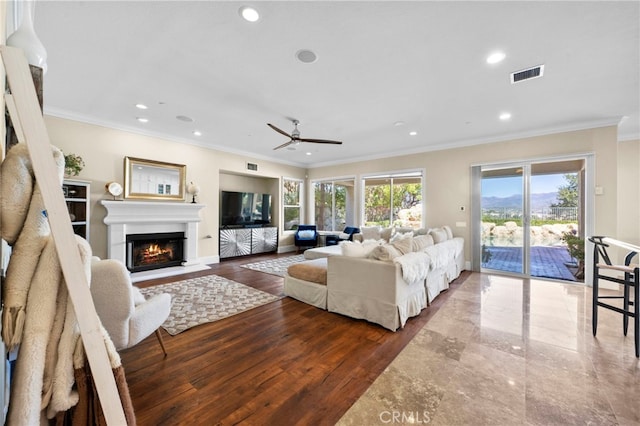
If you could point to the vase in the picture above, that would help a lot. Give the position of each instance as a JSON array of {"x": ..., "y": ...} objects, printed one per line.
[{"x": 26, "y": 38}]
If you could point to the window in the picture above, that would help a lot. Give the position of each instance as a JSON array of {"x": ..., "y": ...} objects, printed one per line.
[
  {"x": 393, "y": 200},
  {"x": 333, "y": 204},
  {"x": 291, "y": 203}
]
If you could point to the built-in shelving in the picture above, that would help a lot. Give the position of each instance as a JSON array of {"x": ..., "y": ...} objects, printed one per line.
[{"x": 77, "y": 195}]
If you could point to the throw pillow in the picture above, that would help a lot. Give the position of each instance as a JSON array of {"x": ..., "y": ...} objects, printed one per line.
[
  {"x": 352, "y": 249},
  {"x": 421, "y": 231},
  {"x": 405, "y": 230},
  {"x": 422, "y": 241},
  {"x": 400, "y": 236},
  {"x": 356, "y": 249},
  {"x": 439, "y": 235},
  {"x": 449, "y": 232},
  {"x": 386, "y": 233},
  {"x": 404, "y": 243},
  {"x": 385, "y": 252},
  {"x": 370, "y": 233},
  {"x": 306, "y": 234}
]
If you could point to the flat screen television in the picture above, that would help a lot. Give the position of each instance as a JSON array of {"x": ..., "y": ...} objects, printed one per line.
[{"x": 244, "y": 208}]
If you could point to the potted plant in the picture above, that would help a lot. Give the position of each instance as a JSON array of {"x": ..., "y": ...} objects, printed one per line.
[
  {"x": 575, "y": 246},
  {"x": 73, "y": 164}
]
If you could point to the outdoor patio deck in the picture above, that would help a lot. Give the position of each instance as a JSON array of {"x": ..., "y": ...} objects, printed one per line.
[{"x": 546, "y": 262}]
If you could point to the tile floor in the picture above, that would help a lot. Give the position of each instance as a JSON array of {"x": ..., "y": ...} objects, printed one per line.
[{"x": 510, "y": 351}]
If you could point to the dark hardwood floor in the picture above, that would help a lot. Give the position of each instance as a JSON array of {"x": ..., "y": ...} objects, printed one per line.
[{"x": 282, "y": 363}]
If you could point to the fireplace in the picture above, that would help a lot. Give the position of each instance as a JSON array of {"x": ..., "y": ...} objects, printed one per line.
[
  {"x": 126, "y": 217},
  {"x": 154, "y": 251}
]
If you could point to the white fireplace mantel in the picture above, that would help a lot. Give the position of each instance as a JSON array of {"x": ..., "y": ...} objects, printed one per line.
[{"x": 142, "y": 217}]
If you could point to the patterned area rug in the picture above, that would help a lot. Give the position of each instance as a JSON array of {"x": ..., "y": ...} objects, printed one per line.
[
  {"x": 206, "y": 299},
  {"x": 275, "y": 266}
]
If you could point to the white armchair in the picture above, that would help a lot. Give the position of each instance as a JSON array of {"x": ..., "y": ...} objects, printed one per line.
[{"x": 122, "y": 309}]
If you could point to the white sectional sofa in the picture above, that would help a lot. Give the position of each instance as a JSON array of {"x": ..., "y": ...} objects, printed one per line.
[
  {"x": 382, "y": 281},
  {"x": 373, "y": 290}
]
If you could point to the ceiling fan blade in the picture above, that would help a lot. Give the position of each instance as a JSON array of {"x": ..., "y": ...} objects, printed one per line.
[
  {"x": 278, "y": 130},
  {"x": 284, "y": 144},
  {"x": 320, "y": 141}
]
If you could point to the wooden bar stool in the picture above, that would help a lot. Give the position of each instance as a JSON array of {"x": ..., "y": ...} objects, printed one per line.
[{"x": 601, "y": 261}]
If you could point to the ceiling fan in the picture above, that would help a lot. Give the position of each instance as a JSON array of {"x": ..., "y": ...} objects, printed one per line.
[{"x": 296, "y": 139}]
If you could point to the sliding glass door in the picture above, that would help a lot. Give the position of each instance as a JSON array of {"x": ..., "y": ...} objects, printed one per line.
[
  {"x": 503, "y": 219},
  {"x": 531, "y": 218}
]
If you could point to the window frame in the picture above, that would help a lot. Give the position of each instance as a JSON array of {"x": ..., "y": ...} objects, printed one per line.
[
  {"x": 300, "y": 205},
  {"x": 349, "y": 212},
  {"x": 418, "y": 173}
]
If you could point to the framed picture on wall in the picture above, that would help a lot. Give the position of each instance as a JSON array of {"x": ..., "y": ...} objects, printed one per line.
[{"x": 153, "y": 180}]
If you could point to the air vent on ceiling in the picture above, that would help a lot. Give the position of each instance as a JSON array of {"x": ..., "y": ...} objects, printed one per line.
[
  {"x": 527, "y": 74},
  {"x": 252, "y": 166}
]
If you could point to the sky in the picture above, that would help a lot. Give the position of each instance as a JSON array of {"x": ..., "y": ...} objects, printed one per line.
[{"x": 504, "y": 187}]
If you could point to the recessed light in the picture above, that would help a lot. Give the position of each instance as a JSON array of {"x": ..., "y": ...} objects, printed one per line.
[
  {"x": 308, "y": 153},
  {"x": 197, "y": 133},
  {"x": 307, "y": 56},
  {"x": 413, "y": 133},
  {"x": 505, "y": 116},
  {"x": 399, "y": 123},
  {"x": 495, "y": 57},
  {"x": 249, "y": 14},
  {"x": 184, "y": 118},
  {"x": 142, "y": 119},
  {"x": 141, "y": 106}
]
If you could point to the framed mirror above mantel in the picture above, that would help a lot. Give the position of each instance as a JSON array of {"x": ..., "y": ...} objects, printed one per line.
[{"x": 153, "y": 180}]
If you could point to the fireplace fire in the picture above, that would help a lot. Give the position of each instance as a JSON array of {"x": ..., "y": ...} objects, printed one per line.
[{"x": 154, "y": 251}]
